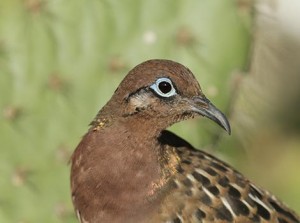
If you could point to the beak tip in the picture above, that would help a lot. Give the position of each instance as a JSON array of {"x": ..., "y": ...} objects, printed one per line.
[
  {"x": 228, "y": 129},
  {"x": 224, "y": 123}
]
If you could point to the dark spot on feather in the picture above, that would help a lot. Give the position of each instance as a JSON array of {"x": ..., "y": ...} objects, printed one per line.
[
  {"x": 283, "y": 211},
  {"x": 219, "y": 167},
  {"x": 205, "y": 199},
  {"x": 210, "y": 171},
  {"x": 186, "y": 162},
  {"x": 189, "y": 193},
  {"x": 240, "y": 181},
  {"x": 200, "y": 214},
  {"x": 261, "y": 211},
  {"x": 173, "y": 185},
  {"x": 224, "y": 214},
  {"x": 179, "y": 169},
  {"x": 201, "y": 156},
  {"x": 224, "y": 181},
  {"x": 179, "y": 152},
  {"x": 238, "y": 206},
  {"x": 186, "y": 182},
  {"x": 255, "y": 219},
  {"x": 250, "y": 201},
  {"x": 202, "y": 179},
  {"x": 280, "y": 220},
  {"x": 176, "y": 220},
  {"x": 233, "y": 192},
  {"x": 255, "y": 192},
  {"x": 214, "y": 190}
]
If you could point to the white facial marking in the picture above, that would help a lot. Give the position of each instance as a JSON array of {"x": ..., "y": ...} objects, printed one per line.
[{"x": 140, "y": 101}]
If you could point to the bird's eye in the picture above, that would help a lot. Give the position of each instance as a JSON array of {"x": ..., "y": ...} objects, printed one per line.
[{"x": 163, "y": 87}]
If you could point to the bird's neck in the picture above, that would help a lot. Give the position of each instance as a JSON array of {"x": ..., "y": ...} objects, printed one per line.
[
  {"x": 135, "y": 165},
  {"x": 143, "y": 126}
]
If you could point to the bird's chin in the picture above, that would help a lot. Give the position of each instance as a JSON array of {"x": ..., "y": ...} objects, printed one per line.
[{"x": 186, "y": 116}]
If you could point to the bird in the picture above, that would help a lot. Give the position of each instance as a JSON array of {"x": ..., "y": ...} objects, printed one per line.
[{"x": 128, "y": 168}]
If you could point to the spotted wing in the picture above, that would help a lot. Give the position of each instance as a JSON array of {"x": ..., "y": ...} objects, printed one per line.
[{"x": 208, "y": 190}]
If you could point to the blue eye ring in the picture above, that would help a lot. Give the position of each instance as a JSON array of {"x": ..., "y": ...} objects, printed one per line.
[{"x": 164, "y": 87}]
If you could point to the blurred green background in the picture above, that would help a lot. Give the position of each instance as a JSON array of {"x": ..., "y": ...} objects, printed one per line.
[{"x": 60, "y": 61}]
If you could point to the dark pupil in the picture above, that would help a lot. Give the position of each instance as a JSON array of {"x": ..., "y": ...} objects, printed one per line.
[{"x": 164, "y": 87}]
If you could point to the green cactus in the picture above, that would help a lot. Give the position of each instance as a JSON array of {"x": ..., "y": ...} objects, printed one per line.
[{"x": 60, "y": 61}]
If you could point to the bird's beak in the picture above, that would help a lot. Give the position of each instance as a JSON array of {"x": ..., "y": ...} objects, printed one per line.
[{"x": 204, "y": 107}]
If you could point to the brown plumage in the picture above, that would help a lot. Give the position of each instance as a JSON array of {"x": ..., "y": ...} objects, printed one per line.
[{"x": 128, "y": 168}]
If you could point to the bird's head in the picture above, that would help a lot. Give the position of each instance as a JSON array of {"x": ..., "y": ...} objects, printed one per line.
[{"x": 164, "y": 90}]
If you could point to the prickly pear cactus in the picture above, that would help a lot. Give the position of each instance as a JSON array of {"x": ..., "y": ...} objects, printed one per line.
[{"x": 60, "y": 61}]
